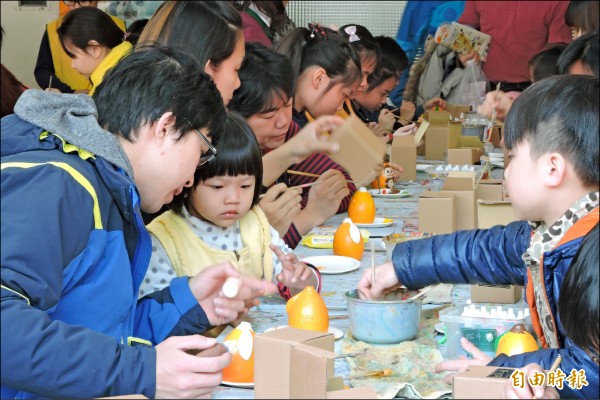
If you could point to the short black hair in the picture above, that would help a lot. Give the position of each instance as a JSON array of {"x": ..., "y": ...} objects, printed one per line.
[
  {"x": 393, "y": 61},
  {"x": 579, "y": 301},
  {"x": 586, "y": 49},
  {"x": 559, "y": 114},
  {"x": 148, "y": 83},
  {"x": 545, "y": 63},
  {"x": 321, "y": 47},
  {"x": 83, "y": 24},
  {"x": 264, "y": 74},
  {"x": 239, "y": 154}
]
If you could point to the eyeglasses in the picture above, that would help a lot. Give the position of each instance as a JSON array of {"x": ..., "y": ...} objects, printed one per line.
[
  {"x": 212, "y": 152},
  {"x": 72, "y": 3}
]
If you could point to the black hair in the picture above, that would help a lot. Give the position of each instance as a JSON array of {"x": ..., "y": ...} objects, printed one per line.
[
  {"x": 545, "y": 63},
  {"x": 135, "y": 30},
  {"x": 83, "y": 24},
  {"x": 579, "y": 300},
  {"x": 321, "y": 47},
  {"x": 148, "y": 83},
  {"x": 207, "y": 29},
  {"x": 559, "y": 114},
  {"x": 586, "y": 49},
  {"x": 364, "y": 43},
  {"x": 264, "y": 74},
  {"x": 272, "y": 9},
  {"x": 393, "y": 62},
  {"x": 582, "y": 15},
  {"x": 239, "y": 154}
]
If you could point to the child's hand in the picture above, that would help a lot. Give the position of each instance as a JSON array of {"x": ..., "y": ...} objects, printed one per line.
[
  {"x": 407, "y": 110},
  {"x": 294, "y": 273},
  {"x": 52, "y": 90},
  {"x": 379, "y": 130},
  {"x": 435, "y": 102},
  {"x": 385, "y": 281},
  {"x": 405, "y": 130},
  {"x": 386, "y": 119},
  {"x": 479, "y": 358},
  {"x": 281, "y": 204},
  {"x": 528, "y": 392}
]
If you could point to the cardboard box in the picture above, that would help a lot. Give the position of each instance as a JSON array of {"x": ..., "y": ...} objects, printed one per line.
[
  {"x": 436, "y": 212},
  {"x": 462, "y": 186},
  {"x": 292, "y": 363},
  {"x": 456, "y": 109},
  {"x": 464, "y": 156},
  {"x": 505, "y": 294},
  {"x": 441, "y": 135},
  {"x": 403, "y": 151},
  {"x": 490, "y": 190},
  {"x": 360, "y": 150},
  {"x": 491, "y": 213},
  {"x": 480, "y": 382}
]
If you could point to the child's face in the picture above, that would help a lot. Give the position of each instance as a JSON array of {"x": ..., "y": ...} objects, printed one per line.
[
  {"x": 225, "y": 75},
  {"x": 524, "y": 183},
  {"x": 270, "y": 127},
  {"x": 223, "y": 200},
  {"x": 327, "y": 103},
  {"x": 373, "y": 99},
  {"x": 84, "y": 61},
  {"x": 367, "y": 66}
]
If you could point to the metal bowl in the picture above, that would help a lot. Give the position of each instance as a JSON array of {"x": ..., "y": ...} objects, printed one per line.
[{"x": 388, "y": 321}]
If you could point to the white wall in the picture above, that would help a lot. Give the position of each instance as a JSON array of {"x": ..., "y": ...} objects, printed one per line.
[{"x": 23, "y": 30}]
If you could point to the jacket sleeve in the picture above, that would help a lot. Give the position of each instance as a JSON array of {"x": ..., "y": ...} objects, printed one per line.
[
  {"x": 173, "y": 311},
  {"x": 573, "y": 358},
  {"x": 475, "y": 256},
  {"x": 49, "y": 357},
  {"x": 44, "y": 68}
]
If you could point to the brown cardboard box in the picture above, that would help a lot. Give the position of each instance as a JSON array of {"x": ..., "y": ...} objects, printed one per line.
[
  {"x": 403, "y": 151},
  {"x": 292, "y": 363},
  {"x": 360, "y": 150},
  {"x": 456, "y": 109},
  {"x": 491, "y": 213},
  {"x": 490, "y": 190},
  {"x": 505, "y": 294},
  {"x": 436, "y": 212},
  {"x": 464, "y": 156},
  {"x": 127, "y": 396},
  {"x": 461, "y": 185},
  {"x": 441, "y": 135},
  {"x": 480, "y": 382}
]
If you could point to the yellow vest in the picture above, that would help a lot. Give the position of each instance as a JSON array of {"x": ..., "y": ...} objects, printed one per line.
[
  {"x": 346, "y": 111},
  {"x": 62, "y": 62},
  {"x": 189, "y": 254},
  {"x": 111, "y": 59}
]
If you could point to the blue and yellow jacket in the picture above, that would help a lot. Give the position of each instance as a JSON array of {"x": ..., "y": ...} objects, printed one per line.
[
  {"x": 494, "y": 256},
  {"x": 74, "y": 252}
]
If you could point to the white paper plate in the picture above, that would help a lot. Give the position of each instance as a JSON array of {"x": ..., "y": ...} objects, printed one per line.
[
  {"x": 377, "y": 223},
  {"x": 336, "y": 332},
  {"x": 440, "y": 327},
  {"x": 238, "y": 384},
  {"x": 401, "y": 193},
  {"x": 330, "y": 265}
]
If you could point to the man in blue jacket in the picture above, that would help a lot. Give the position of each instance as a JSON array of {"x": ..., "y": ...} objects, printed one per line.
[
  {"x": 75, "y": 177},
  {"x": 552, "y": 180}
]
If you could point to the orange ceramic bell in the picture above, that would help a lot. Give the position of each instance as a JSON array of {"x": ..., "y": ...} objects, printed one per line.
[
  {"x": 386, "y": 180},
  {"x": 361, "y": 209},
  {"x": 307, "y": 310},
  {"x": 240, "y": 341},
  {"x": 347, "y": 240},
  {"x": 516, "y": 341}
]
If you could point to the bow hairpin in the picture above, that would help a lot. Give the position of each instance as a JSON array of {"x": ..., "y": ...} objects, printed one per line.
[{"x": 351, "y": 31}]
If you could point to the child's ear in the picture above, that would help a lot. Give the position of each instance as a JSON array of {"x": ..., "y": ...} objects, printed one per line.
[
  {"x": 319, "y": 78},
  {"x": 554, "y": 169}
]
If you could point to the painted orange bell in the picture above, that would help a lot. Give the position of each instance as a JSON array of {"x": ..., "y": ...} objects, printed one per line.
[
  {"x": 386, "y": 180},
  {"x": 516, "y": 341},
  {"x": 240, "y": 341},
  {"x": 361, "y": 209},
  {"x": 347, "y": 240},
  {"x": 307, "y": 310}
]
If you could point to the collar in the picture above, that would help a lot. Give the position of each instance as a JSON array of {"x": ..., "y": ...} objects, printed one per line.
[
  {"x": 264, "y": 17},
  {"x": 203, "y": 228}
]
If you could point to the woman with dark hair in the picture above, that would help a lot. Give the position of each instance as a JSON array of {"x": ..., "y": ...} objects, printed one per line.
[
  {"x": 582, "y": 17},
  {"x": 210, "y": 30},
  {"x": 11, "y": 87}
]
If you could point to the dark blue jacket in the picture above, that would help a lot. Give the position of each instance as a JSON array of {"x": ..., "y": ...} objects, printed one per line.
[
  {"x": 493, "y": 256},
  {"x": 74, "y": 252}
]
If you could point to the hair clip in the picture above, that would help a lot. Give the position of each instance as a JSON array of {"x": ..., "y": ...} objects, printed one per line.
[
  {"x": 351, "y": 31},
  {"x": 125, "y": 36},
  {"x": 317, "y": 30}
]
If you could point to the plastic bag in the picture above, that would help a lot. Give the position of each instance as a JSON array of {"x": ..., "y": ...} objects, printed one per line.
[{"x": 473, "y": 85}]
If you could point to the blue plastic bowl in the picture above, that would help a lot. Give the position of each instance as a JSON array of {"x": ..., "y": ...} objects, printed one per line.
[{"x": 388, "y": 321}]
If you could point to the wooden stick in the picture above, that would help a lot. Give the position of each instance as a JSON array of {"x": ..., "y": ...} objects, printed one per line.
[
  {"x": 332, "y": 317},
  {"x": 556, "y": 363},
  {"x": 372, "y": 263},
  {"x": 305, "y": 185},
  {"x": 422, "y": 292},
  {"x": 50, "y": 83},
  {"x": 292, "y": 172}
]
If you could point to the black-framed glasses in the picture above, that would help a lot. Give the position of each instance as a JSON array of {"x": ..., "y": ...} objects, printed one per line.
[
  {"x": 209, "y": 155},
  {"x": 72, "y": 3}
]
